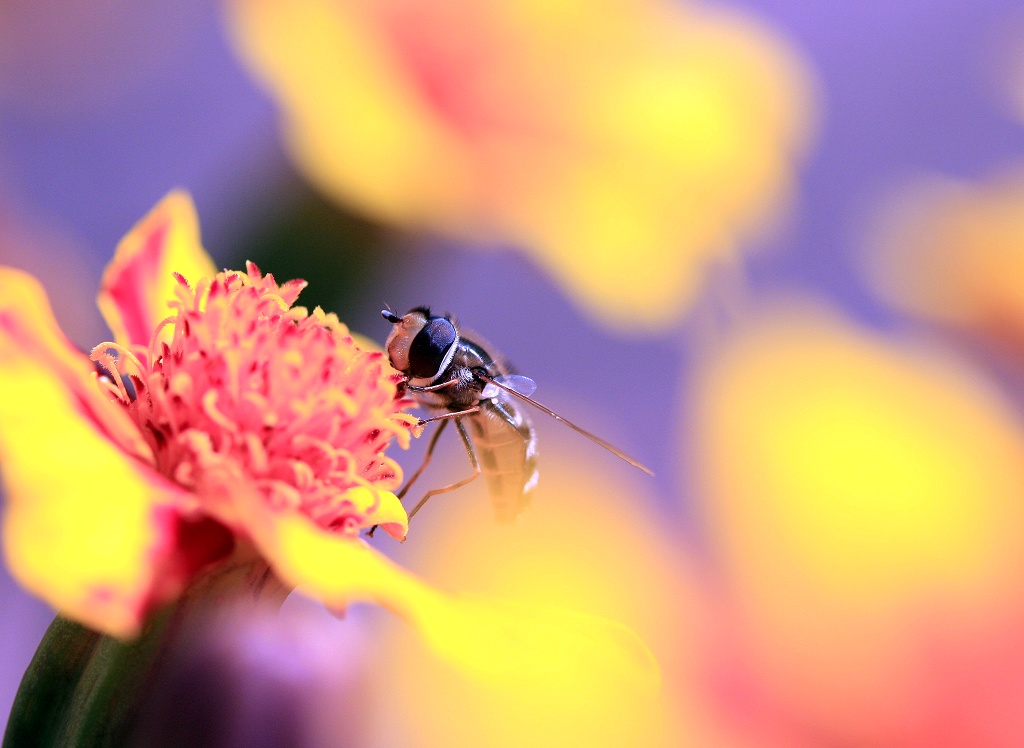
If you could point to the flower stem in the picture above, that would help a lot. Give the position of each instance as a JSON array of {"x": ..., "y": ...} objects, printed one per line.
[{"x": 82, "y": 688}]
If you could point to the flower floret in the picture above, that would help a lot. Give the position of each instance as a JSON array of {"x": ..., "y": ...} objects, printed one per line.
[{"x": 249, "y": 387}]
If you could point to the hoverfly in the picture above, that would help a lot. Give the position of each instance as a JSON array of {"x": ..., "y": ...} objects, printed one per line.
[{"x": 458, "y": 379}]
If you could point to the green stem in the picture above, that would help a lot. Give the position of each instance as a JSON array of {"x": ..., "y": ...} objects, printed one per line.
[
  {"x": 43, "y": 696},
  {"x": 84, "y": 690}
]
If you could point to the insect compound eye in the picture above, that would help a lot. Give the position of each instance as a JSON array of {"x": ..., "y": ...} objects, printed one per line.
[{"x": 432, "y": 348}]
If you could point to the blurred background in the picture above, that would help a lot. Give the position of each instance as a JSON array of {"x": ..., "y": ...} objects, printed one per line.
[{"x": 775, "y": 250}]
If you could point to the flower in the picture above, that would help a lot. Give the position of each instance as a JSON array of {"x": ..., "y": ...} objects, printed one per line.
[
  {"x": 950, "y": 252},
  {"x": 213, "y": 391},
  {"x": 862, "y": 495},
  {"x": 625, "y": 145},
  {"x": 234, "y": 444},
  {"x": 591, "y": 543}
]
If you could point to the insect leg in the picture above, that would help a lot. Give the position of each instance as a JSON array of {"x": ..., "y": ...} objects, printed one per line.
[
  {"x": 466, "y": 412},
  {"x": 426, "y": 460},
  {"x": 459, "y": 484},
  {"x": 419, "y": 470}
]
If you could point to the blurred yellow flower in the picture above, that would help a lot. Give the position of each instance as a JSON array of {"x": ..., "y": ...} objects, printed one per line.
[
  {"x": 864, "y": 499},
  {"x": 953, "y": 252},
  {"x": 232, "y": 433},
  {"x": 626, "y": 145},
  {"x": 590, "y": 544}
]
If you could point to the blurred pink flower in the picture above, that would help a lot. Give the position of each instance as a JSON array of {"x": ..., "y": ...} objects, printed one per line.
[{"x": 953, "y": 252}]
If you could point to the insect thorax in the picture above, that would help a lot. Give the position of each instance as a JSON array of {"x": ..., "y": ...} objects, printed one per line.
[{"x": 469, "y": 359}]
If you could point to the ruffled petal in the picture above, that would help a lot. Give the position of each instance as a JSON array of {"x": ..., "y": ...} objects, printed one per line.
[
  {"x": 139, "y": 282},
  {"x": 86, "y": 527},
  {"x": 489, "y": 640},
  {"x": 28, "y": 329},
  {"x": 380, "y": 508},
  {"x": 526, "y": 675}
]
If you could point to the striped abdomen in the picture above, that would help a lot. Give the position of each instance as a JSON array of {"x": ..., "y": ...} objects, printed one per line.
[{"x": 507, "y": 449}]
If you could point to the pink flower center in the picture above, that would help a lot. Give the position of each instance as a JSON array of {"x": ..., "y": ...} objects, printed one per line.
[{"x": 247, "y": 387}]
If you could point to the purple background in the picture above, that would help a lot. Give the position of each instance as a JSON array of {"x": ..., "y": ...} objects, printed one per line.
[{"x": 102, "y": 112}]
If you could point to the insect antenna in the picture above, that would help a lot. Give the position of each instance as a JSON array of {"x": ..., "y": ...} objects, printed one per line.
[{"x": 593, "y": 437}]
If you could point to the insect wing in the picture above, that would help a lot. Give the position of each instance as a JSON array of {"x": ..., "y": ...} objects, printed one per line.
[
  {"x": 500, "y": 384},
  {"x": 514, "y": 382}
]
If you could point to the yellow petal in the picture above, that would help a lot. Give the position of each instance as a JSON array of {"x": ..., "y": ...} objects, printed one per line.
[
  {"x": 139, "y": 282},
  {"x": 491, "y": 641},
  {"x": 590, "y": 542},
  {"x": 30, "y": 330},
  {"x": 525, "y": 675},
  {"x": 864, "y": 496},
  {"x": 85, "y": 524},
  {"x": 581, "y": 545},
  {"x": 381, "y": 508}
]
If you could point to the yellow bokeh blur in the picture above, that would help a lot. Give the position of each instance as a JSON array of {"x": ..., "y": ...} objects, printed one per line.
[
  {"x": 524, "y": 669},
  {"x": 625, "y": 146},
  {"x": 864, "y": 498},
  {"x": 589, "y": 543}
]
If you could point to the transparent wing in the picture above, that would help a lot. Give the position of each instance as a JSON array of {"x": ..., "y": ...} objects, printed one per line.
[
  {"x": 499, "y": 383},
  {"x": 516, "y": 383}
]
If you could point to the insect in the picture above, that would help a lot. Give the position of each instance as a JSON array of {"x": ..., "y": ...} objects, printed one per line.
[{"x": 458, "y": 379}]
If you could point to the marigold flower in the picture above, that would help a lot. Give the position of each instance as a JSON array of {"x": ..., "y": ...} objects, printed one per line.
[
  {"x": 626, "y": 145},
  {"x": 863, "y": 496},
  {"x": 217, "y": 390}
]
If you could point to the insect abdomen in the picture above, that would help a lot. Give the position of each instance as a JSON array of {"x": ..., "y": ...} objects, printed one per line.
[{"x": 507, "y": 450}]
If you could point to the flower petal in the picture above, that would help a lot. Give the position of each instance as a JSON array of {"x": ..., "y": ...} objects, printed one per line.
[
  {"x": 139, "y": 281},
  {"x": 381, "y": 508},
  {"x": 535, "y": 676},
  {"x": 28, "y": 329},
  {"x": 489, "y": 640},
  {"x": 86, "y": 527},
  {"x": 580, "y": 547}
]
